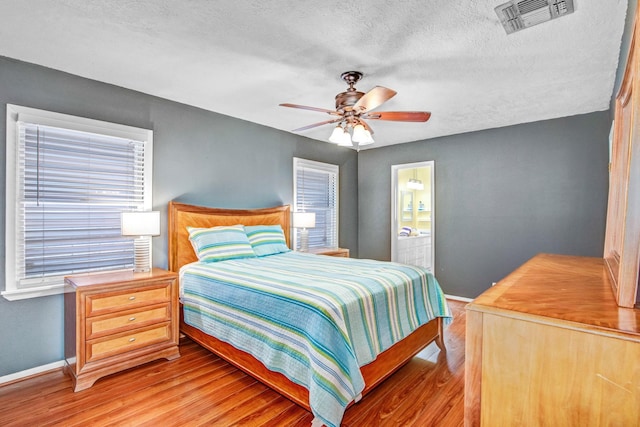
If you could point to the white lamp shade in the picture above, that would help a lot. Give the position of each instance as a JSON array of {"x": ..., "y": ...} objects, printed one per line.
[
  {"x": 137, "y": 223},
  {"x": 368, "y": 139},
  {"x": 304, "y": 219},
  {"x": 345, "y": 140},
  {"x": 336, "y": 135},
  {"x": 359, "y": 134}
]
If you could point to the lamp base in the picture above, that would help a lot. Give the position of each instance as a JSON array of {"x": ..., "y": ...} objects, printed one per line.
[
  {"x": 141, "y": 254},
  {"x": 304, "y": 240}
]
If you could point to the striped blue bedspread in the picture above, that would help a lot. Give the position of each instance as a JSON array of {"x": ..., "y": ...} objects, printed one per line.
[{"x": 315, "y": 319}]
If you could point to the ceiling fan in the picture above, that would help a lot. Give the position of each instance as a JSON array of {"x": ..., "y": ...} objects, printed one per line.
[{"x": 354, "y": 107}]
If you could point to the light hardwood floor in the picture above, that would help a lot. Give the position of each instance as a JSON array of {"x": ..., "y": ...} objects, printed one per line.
[{"x": 201, "y": 389}]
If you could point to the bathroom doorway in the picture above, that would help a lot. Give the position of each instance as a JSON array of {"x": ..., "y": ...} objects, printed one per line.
[{"x": 412, "y": 219}]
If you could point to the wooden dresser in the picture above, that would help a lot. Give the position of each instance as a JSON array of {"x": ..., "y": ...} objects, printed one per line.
[
  {"x": 549, "y": 346},
  {"x": 116, "y": 321}
]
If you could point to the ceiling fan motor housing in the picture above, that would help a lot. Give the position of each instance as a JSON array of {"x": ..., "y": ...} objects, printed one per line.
[{"x": 346, "y": 100}]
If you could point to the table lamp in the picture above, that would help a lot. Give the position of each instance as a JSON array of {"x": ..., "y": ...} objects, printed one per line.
[
  {"x": 143, "y": 225},
  {"x": 303, "y": 221}
]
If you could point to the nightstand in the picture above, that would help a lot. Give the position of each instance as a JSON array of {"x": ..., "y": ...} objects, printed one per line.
[
  {"x": 116, "y": 321},
  {"x": 340, "y": 252}
]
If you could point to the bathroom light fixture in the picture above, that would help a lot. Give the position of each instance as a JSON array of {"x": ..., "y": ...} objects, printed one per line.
[{"x": 414, "y": 183}]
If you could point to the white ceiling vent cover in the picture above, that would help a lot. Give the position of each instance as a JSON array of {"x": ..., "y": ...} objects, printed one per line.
[{"x": 518, "y": 15}]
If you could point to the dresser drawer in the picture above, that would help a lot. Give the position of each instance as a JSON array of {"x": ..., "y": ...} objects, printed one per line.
[
  {"x": 103, "y": 303},
  {"x": 110, "y": 346},
  {"x": 122, "y": 321}
]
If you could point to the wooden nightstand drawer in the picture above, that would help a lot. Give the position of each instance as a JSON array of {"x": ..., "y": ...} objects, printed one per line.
[
  {"x": 105, "y": 302},
  {"x": 123, "y": 321},
  {"x": 111, "y": 346}
]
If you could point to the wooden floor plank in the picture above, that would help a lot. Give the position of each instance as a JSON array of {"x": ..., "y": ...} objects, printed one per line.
[
  {"x": 132, "y": 385},
  {"x": 201, "y": 389},
  {"x": 271, "y": 413},
  {"x": 197, "y": 410},
  {"x": 138, "y": 405}
]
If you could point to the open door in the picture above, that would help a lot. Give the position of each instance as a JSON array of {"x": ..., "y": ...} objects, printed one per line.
[{"x": 413, "y": 208}]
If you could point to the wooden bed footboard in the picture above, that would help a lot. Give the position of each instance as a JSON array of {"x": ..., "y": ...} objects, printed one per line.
[{"x": 373, "y": 373}]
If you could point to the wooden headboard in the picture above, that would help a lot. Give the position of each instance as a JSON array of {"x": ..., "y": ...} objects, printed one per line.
[{"x": 181, "y": 215}]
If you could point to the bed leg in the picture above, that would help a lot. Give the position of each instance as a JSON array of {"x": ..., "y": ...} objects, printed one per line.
[{"x": 440, "y": 337}]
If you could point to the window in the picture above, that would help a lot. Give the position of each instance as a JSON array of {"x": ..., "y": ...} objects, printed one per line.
[
  {"x": 315, "y": 189},
  {"x": 68, "y": 180}
]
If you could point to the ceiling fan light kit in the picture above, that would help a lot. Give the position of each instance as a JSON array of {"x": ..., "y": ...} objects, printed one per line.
[{"x": 353, "y": 107}]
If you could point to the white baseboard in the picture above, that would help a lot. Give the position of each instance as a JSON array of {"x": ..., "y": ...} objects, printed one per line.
[
  {"x": 31, "y": 372},
  {"x": 457, "y": 298}
]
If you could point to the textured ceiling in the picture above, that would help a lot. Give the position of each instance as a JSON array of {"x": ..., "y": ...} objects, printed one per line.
[{"x": 243, "y": 58}]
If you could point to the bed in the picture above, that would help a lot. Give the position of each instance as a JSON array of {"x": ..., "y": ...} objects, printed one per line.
[{"x": 181, "y": 254}]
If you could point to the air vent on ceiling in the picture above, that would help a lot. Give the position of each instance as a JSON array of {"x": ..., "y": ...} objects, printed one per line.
[{"x": 518, "y": 15}]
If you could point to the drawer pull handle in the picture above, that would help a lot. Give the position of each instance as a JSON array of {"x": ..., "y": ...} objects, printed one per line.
[
  {"x": 132, "y": 298},
  {"x": 132, "y": 339},
  {"x": 131, "y": 319}
]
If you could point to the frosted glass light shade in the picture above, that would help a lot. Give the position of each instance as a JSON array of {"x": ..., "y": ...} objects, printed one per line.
[
  {"x": 415, "y": 184},
  {"x": 359, "y": 134},
  {"x": 345, "y": 140},
  {"x": 336, "y": 135},
  {"x": 368, "y": 139}
]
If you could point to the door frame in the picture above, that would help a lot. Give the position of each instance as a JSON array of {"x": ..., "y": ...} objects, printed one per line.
[{"x": 394, "y": 206}]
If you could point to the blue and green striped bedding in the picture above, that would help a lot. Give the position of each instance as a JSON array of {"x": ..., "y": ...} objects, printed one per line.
[{"x": 316, "y": 319}]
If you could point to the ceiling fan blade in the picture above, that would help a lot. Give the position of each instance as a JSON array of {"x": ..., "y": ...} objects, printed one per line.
[
  {"x": 399, "y": 116},
  {"x": 304, "y": 107},
  {"x": 318, "y": 124},
  {"x": 374, "y": 98}
]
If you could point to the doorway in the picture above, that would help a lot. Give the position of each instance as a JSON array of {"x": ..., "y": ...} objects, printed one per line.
[{"x": 413, "y": 208}]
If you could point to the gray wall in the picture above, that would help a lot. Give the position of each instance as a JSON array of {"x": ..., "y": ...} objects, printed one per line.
[
  {"x": 199, "y": 157},
  {"x": 502, "y": 195}
]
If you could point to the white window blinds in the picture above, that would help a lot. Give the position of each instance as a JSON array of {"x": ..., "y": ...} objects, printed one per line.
[
  {"x": 316, "y": 190},
  {"x": 70, "y": 188}
]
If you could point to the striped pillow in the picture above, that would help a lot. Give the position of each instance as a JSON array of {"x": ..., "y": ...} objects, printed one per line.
[
  {"x": 220, "y": 243},
  {"x": 266, "y": 239}
]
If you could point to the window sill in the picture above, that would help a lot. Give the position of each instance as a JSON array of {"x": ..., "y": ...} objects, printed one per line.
[{"x": 41, "y": 291}]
